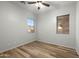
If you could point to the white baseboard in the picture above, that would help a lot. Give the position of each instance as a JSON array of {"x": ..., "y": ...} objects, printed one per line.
[
  {"x": 18, "y": 45},
  {"x": 54, "y": 43}
]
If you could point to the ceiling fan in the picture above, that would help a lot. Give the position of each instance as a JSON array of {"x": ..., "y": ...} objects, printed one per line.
[{"x": 36, "y": 2}]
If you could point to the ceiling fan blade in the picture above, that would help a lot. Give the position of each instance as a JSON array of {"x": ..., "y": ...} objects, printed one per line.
[
  {"x": 22, "y": 2},
  {"x": 46, "y": 4},
  {"x": 31, "y": 2},
  {"x": 39, "y": 1}
]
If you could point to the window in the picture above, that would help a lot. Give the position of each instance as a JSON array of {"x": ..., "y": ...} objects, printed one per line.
[
  {"x": 30, "y": 24},
  {"x": 63, "y": 24}
]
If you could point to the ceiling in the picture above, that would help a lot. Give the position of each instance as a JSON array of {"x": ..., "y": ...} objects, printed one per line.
[{"x": 53, "y": 5}]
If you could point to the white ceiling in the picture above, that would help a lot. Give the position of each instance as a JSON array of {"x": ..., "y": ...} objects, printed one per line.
[{"x": 53, "y": 5}]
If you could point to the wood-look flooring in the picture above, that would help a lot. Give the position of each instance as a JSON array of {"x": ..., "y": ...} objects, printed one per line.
[{"x": 38, "y": 49}]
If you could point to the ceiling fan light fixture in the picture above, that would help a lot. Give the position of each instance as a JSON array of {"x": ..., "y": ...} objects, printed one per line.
[
  {"x": 38, "y": 8},
  {"x": 39, "y": 5}
]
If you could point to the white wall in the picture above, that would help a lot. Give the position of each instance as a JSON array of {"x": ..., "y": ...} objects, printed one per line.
[
  {"x": 77, "y": 28},
  {"x": 47, "y": 26},
  {"x": 13, "y": 28}
]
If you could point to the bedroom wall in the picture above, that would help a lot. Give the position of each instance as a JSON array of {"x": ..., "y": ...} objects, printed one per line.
[
  {"x": 77, "y": 28},
  {"x": 47, "y": 26},
  {"x": 13, "y": 28}
]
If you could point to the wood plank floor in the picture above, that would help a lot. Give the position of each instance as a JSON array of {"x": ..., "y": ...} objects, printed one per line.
[{"x": 38, "y": 49}]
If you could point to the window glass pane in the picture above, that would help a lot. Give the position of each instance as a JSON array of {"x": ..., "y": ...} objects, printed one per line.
[
  {"x": 63, "y": 24},
  {"x": 30, "y": 22}
]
